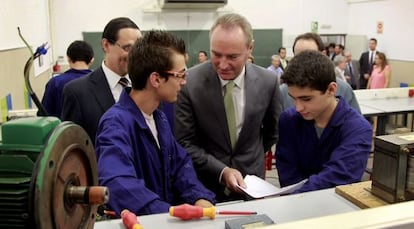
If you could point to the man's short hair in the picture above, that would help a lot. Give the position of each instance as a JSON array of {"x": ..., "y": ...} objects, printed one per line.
[
  {"x": 310, "y": 69},
  {"x": 80, "y": 51},
  {"x": 233, "y": 19},
  {"x": 310, "y": 36},
  {"x": 204, "y": 52},
  {"x": 339, "y": 59},
  {"x": 112, "y": 28},
  {"x": 153, "y": 53}
]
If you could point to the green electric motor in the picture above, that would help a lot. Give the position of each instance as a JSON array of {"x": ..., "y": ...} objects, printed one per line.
[{"x": 48, "y": 175}]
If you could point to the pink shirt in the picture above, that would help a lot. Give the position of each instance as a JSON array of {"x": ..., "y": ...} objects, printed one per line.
[{"x": 378, "y": 77}]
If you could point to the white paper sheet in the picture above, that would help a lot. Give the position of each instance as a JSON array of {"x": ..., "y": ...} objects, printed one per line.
[{"x": 258, "y": 188}]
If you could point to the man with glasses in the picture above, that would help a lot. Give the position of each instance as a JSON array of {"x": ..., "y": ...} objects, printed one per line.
[
  {"x": 226, "y": 115},
  {"x": 139, "y": 160},
  {"x": 84, "y": 100}
]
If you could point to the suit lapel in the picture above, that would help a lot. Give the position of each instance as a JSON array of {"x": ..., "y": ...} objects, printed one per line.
[
  {"x": 250, "y": 94},
  {"x": 103, "y": 94},
  {"x": 215, "y": 103}
]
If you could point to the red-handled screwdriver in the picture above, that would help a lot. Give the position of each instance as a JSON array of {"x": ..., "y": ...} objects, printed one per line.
[
  {"x": 187, "y": 212},
  {"x": 129, "y": 219}
]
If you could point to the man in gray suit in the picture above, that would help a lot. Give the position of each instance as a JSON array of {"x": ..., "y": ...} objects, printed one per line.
[
  {"x": 351, "y": 70},
  {"x": 223, "y": 149},
  {"x": 312, "y": 41}
]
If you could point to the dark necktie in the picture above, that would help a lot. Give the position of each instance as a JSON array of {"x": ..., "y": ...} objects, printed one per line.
[
  {"x": 351, "y": 73},
  {"x": 124, "y": 82},
  {"x": 371, "y": 59}
]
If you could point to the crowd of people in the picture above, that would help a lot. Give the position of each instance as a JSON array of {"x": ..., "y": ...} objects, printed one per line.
[{"x": 166, "y": 134}]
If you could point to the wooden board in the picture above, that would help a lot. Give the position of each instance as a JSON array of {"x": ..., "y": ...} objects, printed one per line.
[{"x": 360, "y": 195}]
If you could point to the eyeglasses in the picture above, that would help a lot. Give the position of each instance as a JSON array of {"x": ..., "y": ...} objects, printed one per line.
[
  {"x": 180, "y": 75},
  {"x": 126, "y": 48}
]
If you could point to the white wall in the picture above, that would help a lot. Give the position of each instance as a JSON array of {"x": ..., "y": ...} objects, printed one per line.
[
  {"x": 68, "y": 19},
  {"x": 294, "y": 16},
  {"x": 397, "y": 15},
  {"x": 32, "y": 17}
]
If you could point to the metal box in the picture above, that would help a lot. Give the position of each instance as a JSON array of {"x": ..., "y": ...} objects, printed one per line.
[{"x": 393, "y": 171}]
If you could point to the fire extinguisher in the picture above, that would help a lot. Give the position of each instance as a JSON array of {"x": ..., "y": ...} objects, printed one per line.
[{"x": 56, "y": 67}]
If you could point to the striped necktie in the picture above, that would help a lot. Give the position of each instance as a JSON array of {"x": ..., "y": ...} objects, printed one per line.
[{"x": 124, "y": 82}]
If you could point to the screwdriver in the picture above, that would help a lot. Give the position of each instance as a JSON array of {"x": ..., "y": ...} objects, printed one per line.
[
  {"x": 129, "y": 219},
  {"x": 187, "y": 212}
]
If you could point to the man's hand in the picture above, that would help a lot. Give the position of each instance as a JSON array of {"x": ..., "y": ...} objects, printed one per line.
[
  {"x": 231, "y": 178},
  {"x": 366, "y": 76},
  {"x": 203, "y": 203}
]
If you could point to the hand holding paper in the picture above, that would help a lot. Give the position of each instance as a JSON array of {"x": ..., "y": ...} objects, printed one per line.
[{"x": 258, "y": 188}]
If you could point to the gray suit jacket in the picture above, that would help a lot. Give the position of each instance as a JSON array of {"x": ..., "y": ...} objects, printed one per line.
[
  {"x": 355, "y": 69},
  {"x": 201, "y": 125}
]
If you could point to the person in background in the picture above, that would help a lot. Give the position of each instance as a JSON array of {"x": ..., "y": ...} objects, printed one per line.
[
  {"x": 202, "y": 57},
  {"x": 322, "y": 139},
  {"x": 84, "y": 100},
  {"x": 139, "y": 160},
  {"x": 351, "y": 70},
  {"x": 227, "y": 113},
  {"x": 380, "y": 78},
  {"x": 331, "y": 51},
  {"x": 283, "y": 60},
  {"x": 340, "y": 65},
  {"x": 80, "y": 57},
  {"x": 339, "y": 50},
  {"x": 366, "y": 63},
  {"x": 275, "y": 66},
  {"x": 381, "y": 73},
  {"x": 312, "y": 41}
]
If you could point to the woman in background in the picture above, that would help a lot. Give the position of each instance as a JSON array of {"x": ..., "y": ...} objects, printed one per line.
[
  {"x": 381, "y": 73},
  {"x": 380, "y": 78}
]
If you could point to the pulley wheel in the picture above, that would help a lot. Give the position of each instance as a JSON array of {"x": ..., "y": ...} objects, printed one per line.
[{"x": 68, "y": 160}]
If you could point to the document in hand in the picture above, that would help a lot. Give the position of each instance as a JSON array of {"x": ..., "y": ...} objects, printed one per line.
[{"x": 258, "y": 188}]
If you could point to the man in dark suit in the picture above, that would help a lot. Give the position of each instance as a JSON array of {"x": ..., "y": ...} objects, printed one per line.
[
  {"x": 228, "y": 140},
  {"x": 84, "y": 100},
  {"x": 283, "y": 60},
  {"x": 366, "y": 61}
]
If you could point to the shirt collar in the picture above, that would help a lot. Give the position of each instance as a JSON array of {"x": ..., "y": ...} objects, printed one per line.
[
  {"x": 238, "y": 81},
  {"x": 111, "y": 76}
]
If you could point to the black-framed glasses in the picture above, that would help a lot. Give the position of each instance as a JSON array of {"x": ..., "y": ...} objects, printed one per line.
[
  {"x": 126, "y": 47},
  {"x": 180, "y": 75}
]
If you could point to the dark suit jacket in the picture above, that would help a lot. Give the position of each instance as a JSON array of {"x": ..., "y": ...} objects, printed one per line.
[
  {"x": 201, "y": 125},
  {"x": 287, "y": 62},
  {"x": 365, "y": 68},
  {"x": 86, "y": 99}
]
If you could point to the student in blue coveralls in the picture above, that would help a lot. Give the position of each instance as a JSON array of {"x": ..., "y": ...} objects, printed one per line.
[
  {"x": 139, "y": 160},
  {"x": 322, "y": 138},
  {"x": 80, "y": 58}
]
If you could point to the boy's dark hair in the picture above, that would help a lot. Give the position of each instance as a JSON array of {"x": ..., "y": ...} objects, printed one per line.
[
  {"x": 153, "y": 53},
  {"x": 80, "y": 51},
  {"x": 112, "y": 28},
  {"x": 280, "y": 49},
  {"x": 204, "y": 52},
  {"x": 310, "y": 36},
  {"x": 310, "y": 69}
]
